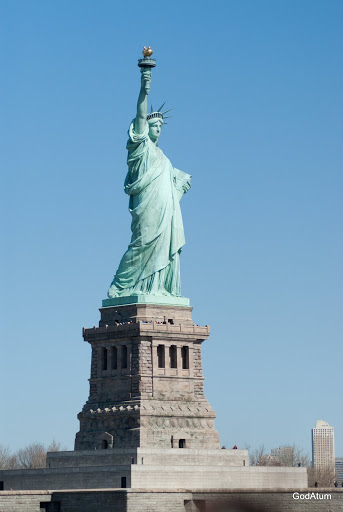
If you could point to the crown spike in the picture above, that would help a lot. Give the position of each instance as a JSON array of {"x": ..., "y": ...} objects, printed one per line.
[{"x": 158, "y": 114}]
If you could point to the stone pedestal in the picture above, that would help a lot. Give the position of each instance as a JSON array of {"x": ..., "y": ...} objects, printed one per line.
[
  {"x": 147, "y": 424},
  {"x": 146, "y": 385}
]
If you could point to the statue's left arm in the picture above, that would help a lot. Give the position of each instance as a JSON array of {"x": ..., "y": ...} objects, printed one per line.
[{"x": 182, "y": 181}]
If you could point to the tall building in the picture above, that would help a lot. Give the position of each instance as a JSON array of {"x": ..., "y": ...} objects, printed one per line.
[
  {"x": 339, "y": 470},
  {"x": 323, "y": 446}
]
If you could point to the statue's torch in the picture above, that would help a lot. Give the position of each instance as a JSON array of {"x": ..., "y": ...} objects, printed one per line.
[{"x": 147, "y": 63}]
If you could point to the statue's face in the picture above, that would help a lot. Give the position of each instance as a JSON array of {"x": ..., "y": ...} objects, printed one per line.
[{"x": 155, "y": 130}]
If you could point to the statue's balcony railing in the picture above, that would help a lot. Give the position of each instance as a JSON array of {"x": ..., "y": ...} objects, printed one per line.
[{"x": 146, "y": 326}]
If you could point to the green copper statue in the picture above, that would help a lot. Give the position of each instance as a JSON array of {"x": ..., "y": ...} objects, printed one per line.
[{"x": 151, "y": 264}]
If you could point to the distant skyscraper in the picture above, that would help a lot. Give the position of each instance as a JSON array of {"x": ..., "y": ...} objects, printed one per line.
[
  {"x": 339, "y": 470},
  {"x": 323, "y": 446}
]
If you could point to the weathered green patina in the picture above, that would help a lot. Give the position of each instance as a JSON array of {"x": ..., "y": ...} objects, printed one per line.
[{"x": 150, "y": 268}]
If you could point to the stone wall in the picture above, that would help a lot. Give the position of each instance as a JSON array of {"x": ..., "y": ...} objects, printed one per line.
[
  {"x": 216, "y": 477},
  {"x": 24, "y": 501},
  {"x": 264, "y": 501},
  {"x": 119, "y": 500},
  {"x": 146, "y": 471},
  {"x": 138, "y": 312},
  {"x": 66, "y": 478},
  {"x": 166, "y": 469},
  {"x": 91, "y": 501},
  {"x": 148, "y": 457}
]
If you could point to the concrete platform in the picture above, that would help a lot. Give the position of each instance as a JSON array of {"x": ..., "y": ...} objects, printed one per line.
[{"x": 145, "y": 468}]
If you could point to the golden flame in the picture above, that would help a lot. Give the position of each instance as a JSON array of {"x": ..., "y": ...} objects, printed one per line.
[{"x": 147, "y": 52}]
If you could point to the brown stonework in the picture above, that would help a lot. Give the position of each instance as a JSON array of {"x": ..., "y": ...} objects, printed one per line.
[{"x": 146, "y": 385}]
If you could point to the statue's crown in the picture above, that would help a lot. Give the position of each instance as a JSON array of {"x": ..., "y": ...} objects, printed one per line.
[{"x": 158, "y": 114}]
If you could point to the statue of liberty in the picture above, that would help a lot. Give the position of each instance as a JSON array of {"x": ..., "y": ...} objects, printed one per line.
[{"x": 151, "y": 264}]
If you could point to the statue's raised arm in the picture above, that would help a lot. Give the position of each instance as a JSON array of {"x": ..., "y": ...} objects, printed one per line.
[{"x": 142, "y": 103}]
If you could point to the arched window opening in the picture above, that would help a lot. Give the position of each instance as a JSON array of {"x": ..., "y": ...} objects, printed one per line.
[
  {"x": 104, "y": 359},
  {"x": 104, "y": 444},
  {"x": 124, "y": 356},
  {"x": 182, "y": 443},
  {"x": 185, "y": 358},
  {"x": 114, "y": 358},
  {"x": 160, "y": 356},
  {"x": 172, "y": 356}
]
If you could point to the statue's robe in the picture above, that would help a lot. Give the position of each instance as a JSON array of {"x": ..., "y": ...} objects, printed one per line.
[{"x": 151, "y": 262}]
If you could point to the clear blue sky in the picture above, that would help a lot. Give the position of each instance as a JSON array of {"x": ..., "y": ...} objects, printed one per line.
[{"x": 256, "y": 88}]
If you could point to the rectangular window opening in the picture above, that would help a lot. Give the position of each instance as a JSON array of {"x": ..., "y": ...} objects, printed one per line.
[
  {"x": 182, "y": 443},
  {"x": 104, "y": 359},
  {"x": 123, "y": 482},
  {"x": 124, "y": 356},
  {"x": 173, "y": 356},
  {"x": 114, "y": 364},
  {"x": 185, "y": 358},
  {"x": 160, "y": 356}
]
